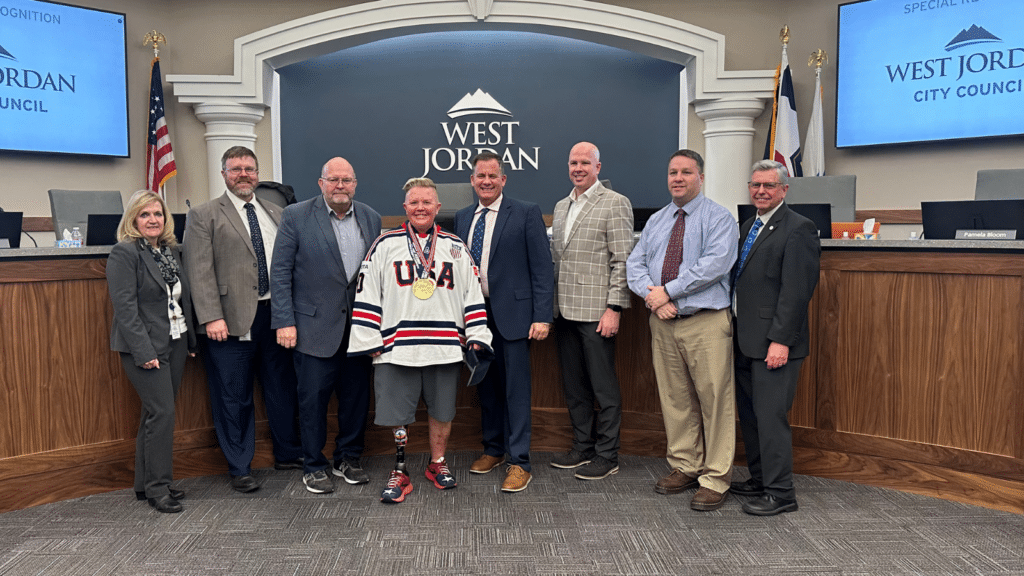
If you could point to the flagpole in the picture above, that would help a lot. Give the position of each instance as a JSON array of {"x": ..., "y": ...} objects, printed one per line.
[
  {"x": 783, "y": 143},
  {"x": 814, "y": 142},
  {"x": 770, "y": 145},
  {"x": 160, "y": 165}
]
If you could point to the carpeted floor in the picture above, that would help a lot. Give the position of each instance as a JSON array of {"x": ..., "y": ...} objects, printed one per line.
[{"x": 559, "y": 525}]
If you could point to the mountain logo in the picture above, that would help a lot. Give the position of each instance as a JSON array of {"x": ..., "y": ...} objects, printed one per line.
[
  {"x": 973, "y": 35},
  {"x": 5, "y": 54},
  {"x": 479, "y": 102}
]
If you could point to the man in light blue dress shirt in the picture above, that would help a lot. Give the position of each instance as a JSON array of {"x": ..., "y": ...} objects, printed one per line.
[{"x": 681, "y": 269}]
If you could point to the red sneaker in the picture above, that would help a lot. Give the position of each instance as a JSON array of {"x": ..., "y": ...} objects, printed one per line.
[
  {"x": 398, "y": 486},
  {"x": 440, "y": 475}
]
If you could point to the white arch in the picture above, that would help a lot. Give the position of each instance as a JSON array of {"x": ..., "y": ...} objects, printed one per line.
[{"x": 728, "y": 101}]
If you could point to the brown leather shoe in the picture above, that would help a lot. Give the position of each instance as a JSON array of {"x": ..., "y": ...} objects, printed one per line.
[
  {"x": 486, "y": 463},
  {"x": 707, "y": 499},
  {"x": 675, "y": 483},
  {"x": 516, "y": 479}
]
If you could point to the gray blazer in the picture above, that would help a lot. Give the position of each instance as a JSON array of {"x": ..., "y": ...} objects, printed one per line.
[
  {"x": 309, "y": 285},
  {"x": 221, "y": 264},
  {"x": 139, "y": 297},
  {"x": 590, "y": 271}
]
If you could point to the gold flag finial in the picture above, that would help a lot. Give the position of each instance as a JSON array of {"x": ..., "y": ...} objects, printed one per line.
[
  {"x": 154, "y": 38},
  {"x": 818, "y": 57},
  {"x": 784, "y": 35}
]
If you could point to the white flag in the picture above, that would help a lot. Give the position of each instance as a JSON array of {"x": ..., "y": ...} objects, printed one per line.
[{"x": 814, "y": 143}]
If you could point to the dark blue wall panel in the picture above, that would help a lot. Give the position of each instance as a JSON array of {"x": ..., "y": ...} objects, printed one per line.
[{"x": 381, "y": 104}]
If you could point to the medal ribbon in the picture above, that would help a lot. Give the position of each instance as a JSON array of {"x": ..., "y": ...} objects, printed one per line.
[{"x": 424, "y": 260}]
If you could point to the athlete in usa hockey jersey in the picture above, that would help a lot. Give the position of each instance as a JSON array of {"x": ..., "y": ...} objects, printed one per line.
[{"x": 407, "y": 329}]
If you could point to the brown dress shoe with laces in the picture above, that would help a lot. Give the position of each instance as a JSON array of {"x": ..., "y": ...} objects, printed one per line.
[
  {"x": 516, "y": 479},
  {"x": 486, "y": 463},
  {"x": 707, "y": 499},
  {"x": 675, "y": 483}
]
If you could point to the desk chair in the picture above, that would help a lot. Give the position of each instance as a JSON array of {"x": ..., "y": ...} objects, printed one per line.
[
  {"x": 70, "y": 208},
  {"x": 839, "y": 191},
  {"x": 1007, "y": 184}
]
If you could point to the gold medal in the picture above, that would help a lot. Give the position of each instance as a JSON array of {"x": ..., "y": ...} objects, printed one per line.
[{"x": 423, "y": 288}]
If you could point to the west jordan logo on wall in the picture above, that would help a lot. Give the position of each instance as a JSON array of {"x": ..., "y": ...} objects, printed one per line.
[
  {"x": 467, "y": 138},
  {"x": 977, "y": 64}
]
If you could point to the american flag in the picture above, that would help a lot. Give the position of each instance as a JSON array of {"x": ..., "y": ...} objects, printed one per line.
[{"x": 159, "y": 156}]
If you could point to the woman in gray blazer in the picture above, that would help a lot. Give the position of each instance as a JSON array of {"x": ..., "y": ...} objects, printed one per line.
[{"x": 153, "y": 331}]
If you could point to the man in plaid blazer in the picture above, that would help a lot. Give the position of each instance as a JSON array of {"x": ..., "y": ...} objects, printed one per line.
[{"x": 592, "y": 236}]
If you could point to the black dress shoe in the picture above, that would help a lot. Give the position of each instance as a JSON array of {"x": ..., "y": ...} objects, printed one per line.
[
  {"x": 244, "y": 483},
  {"x": 768, "y": 505},
  {"x": 288, "y": 464},
  {"x": 749, "y": 487},
  {"x": 165, "y": 504},
  {"x": 176, "y": 494}
]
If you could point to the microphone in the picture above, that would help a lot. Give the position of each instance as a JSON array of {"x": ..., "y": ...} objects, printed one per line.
[{"x": 187, "y": 203}]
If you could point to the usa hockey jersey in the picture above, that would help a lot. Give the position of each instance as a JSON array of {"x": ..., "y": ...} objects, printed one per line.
[{"x": 387, "y": 317}]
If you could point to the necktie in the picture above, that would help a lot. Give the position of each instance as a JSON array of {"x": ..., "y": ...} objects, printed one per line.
[
  {"x": 751, "y": 236},
  {"x": 674, "y": 252},
  {"x": 476, "y": 247},
  {"x": 257, "y": 244}
]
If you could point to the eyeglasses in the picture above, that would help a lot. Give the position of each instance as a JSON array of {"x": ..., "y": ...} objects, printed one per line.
[
  {"x": 335, "y": 181},
  {"x": 768, "y": 186},
  {"x": 249, "y": 171}
]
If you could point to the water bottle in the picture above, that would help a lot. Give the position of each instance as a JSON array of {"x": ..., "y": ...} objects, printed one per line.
[{"x": 76, "y": 237}]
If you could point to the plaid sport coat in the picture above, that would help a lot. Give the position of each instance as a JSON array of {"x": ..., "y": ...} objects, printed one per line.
[{"x": 590, "y": 269}]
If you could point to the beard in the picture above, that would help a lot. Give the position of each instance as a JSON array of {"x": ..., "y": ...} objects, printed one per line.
[{"x": 243, "y": 187}]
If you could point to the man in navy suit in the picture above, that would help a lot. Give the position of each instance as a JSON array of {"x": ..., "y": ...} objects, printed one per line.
[
  {"x": 774, "y": 279},
  {"x": 319, "y": 246},
  {"x": 508, "y": 241}
]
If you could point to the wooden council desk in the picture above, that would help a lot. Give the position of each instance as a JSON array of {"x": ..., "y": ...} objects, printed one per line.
[{"x": 914, "y": 382}]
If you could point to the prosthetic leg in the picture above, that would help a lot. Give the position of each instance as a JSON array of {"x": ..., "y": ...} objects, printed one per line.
[
  {"x": 399, "y": 484},
  {"x": 401, "y": 439}
]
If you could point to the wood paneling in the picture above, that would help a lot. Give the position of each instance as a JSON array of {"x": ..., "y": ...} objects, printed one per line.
[
  {"x": 388, "y": 222},
  {"x": 63, "y": 269},
  {"x": 978, "y": 489},
  {"x": 914, "y": 382},
  {"x": 930, "y": 357},
  {"x": 37, "y": 224},
  {"x": 912, "y": 216}
]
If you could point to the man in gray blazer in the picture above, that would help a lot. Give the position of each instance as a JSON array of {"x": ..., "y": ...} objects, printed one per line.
[
  {"x": 317, "y": 253},
  {"x": 774, "y": 279},
  {"x": 228, "y": 244},
  {"x": 592, "y": 235}
]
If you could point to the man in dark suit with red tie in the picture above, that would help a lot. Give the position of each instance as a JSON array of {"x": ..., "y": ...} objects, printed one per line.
[
  {"x": 507, "y": 239},
  {"x": 774, "y": 279}
]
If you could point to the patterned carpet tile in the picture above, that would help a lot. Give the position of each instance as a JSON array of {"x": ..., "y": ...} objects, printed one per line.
[{"x": 558, "y": 526}]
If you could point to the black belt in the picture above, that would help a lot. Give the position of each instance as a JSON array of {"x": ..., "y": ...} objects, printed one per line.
[{"x": 701, "y": 311}]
